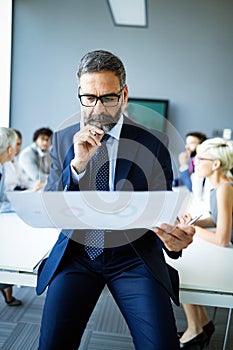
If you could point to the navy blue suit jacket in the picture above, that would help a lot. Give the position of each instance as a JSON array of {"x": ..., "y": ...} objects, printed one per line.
[{"x": 143, "y": 164}]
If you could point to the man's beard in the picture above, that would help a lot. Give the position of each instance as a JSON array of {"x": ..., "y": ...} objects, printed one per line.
[{"x": 103, "y": 121}]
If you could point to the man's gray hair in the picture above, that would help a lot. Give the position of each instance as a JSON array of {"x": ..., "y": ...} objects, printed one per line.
[
  {"x": 100, "y": 61},
  {"x": 8, "y": 137}
]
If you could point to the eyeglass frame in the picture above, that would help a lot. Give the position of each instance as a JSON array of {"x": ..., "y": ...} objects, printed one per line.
[
  {"x": 201, "y": 158},
  {"x": 97, "y": 98}
]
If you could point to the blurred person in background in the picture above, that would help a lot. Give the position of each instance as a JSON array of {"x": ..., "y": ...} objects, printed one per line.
[
  {"x": 35, "y": 160},
  {"x": 8, "y": 139},
  {"x": 200, "y": 187},
  {"x": 186, "y": 159},
  {"x": 15, "y": 179},
  {"x": 214, "y": 161}
]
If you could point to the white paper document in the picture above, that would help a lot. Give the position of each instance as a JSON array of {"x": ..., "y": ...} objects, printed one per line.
[{"x": 99, "y": 210}]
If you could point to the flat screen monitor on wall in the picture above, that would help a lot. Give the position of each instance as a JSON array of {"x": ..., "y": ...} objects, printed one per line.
[{"x": 151, "y": 113}]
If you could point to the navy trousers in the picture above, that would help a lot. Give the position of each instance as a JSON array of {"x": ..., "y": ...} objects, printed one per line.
[{"x": 77, "y": 285}]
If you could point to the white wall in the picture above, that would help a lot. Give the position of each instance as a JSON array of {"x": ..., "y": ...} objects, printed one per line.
[
  {"x": 185, "y": 55},
  {"x": 5, "y": 63}
]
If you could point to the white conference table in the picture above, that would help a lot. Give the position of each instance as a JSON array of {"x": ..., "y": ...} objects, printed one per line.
[
  {"x": 22, "y": 248},
  {"x": 205, "y": 272}
]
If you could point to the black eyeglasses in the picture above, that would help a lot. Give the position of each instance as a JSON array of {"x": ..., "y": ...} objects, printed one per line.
[{"x": 108, "y": 100}]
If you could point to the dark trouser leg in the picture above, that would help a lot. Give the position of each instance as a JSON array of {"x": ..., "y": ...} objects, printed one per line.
[
  {"x": 147, "y": 309},
  {"x": 70, "y": 300}
]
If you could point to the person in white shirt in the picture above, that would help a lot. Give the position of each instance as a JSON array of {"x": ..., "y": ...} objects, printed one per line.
[
  {"x": 15, "y": 179},
  {"x": 7, "y": 150},
  {"x": 35, "y": 159}
]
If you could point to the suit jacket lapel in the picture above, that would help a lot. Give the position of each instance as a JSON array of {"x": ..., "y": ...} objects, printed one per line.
[
  {"x": 66, "y": 168},
  {"x": 126, "y": 154}
]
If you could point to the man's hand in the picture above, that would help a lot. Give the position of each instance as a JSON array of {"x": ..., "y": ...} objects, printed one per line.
[
  {"x": 39, "y": 186},
  {"x": 86, "y": 143},
  {"x": 184, "y": 158},
  {"x": 175, "y": 238},
  {"x": 185, "y": 219}
]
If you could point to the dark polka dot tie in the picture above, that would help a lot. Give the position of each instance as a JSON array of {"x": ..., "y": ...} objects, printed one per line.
[{"x": 99, "y": 181}]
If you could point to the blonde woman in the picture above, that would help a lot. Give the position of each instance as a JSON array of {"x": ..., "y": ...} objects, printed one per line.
[{"x": 213, "y": 161}]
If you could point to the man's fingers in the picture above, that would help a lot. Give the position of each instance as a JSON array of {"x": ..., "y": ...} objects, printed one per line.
[
  {"x": 179, "y": 230},
  {"x": 175, "y": 238},
  {"x": 88, "y": 137},
  {"x": 83, "y": 137}
]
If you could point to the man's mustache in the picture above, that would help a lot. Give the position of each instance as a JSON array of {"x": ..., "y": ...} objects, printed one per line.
[{"x": 101, "y": 118}]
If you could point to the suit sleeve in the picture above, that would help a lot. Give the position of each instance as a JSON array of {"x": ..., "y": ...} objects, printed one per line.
[
  {"x": 163, "y": 181},
  {"x": 162, "y": 170},
  {"x": 54, "y": 182}
]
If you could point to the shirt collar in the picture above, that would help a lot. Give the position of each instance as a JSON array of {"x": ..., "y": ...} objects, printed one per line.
[
  {"x": 41, "y": 153},
  {"x": 116, "y": 130}
]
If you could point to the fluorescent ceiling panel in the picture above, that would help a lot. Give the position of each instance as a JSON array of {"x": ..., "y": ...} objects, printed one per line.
[{"x": 129, "y": 12}]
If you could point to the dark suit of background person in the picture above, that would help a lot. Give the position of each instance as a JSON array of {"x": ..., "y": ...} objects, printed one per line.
[{"x": 135, "y": 272}]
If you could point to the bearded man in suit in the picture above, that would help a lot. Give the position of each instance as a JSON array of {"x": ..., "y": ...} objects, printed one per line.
[{"x": 130, "y": 262}]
